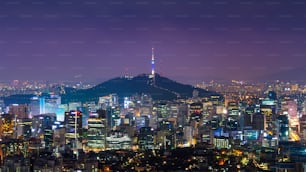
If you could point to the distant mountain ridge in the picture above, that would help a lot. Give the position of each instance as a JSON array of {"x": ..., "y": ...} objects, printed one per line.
[
  {"x": 162, "y": 89},
  {"x": 290, "y": 74}
]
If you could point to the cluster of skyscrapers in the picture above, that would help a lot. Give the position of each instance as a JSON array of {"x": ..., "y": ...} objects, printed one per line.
[{"x": 140, "y": 123}]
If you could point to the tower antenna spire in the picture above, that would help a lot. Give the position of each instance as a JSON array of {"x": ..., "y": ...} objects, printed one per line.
[{"x": 153, "y": 63}]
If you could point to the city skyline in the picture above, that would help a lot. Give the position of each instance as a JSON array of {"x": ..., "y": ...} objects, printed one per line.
[{"x": 192, "y": 40}]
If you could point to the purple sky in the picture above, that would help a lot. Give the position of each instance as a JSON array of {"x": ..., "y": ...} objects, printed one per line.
[{"x": 194, "y": 40}]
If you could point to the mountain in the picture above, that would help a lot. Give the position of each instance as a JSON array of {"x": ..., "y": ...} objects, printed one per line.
[{"x": 162, "y": 89}]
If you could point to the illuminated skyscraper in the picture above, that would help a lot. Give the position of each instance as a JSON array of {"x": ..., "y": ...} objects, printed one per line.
[
  {"x": 37, "y": 106},
  {"x": 73, "y": 121},
  {"x": 96, "y": 131},
  {"x": 24, "y": 128},
  {"x": 42, "y": 128},
  {"x": 7, "y": 123},
  {"x": 146, "y": 138}
]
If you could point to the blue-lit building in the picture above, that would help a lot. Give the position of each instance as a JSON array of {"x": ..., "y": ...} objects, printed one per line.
[
  {"x": 113, "y": 116},
  {"x": 42, "y": 127},
  {"x": 283, "y": 127}
]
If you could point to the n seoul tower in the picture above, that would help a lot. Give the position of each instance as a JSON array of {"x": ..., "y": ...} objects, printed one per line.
[
  {"x": 153, "y": 67},
  {"x": 153, "y": 63}
]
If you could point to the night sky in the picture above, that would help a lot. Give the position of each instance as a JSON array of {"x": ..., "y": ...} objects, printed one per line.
[{"x": 194, "y": 40}]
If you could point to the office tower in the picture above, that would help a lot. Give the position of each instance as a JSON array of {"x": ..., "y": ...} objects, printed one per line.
[
  {"x": 113, "y": 116},
  {"x": 7, "y": 125},
  {"x": 161, "y": 110},
  {"x": 233, "y": 110},
  {"x": 216, "y": 100},
  {"x": 44, "y": 104},
  {"x": 195, "y": 111},
  {"x": 42, "y": 128},
  {"x": 142, "y": 121},
  {"x": 289, "y": 108},
  {"x": 37, "y": 106},
  {"x": 60, "y": 113},
  {"x": 146, "y": 138},
  {"x": 52, "y": 103},
  {"x": 24, "y": 128},
  {"x": 268, "y": 108},
  {"x": 272, "y": 95},
  {"x": 165, "y": 138},
  {"x": 174, "y": 109},
  {"x": 19, "y": 110},
  {"x": 108, "y": 101},
  {"x": 145, "y": 111},
  {"x": 73, "y": 122},
  {"x": 42, "y": 122},
  {"x": 182, "y": 115},
  {"x": 59, "y": 132},
  {"x": 248, "y": 116},
  {"x": 118, "y": 140},
  {"x": 13, "y": 147},
  {"x": 96, "y": 134},
  {"x": 283, "y": 127},
  {"x": 2, "y": 107},
  {"x": 73, "y": 106},
  {"x": 196, "y": 108},
  {"x": 188, "y": 135},
  {"x": 259, "y": 121},
  {"x": 303, "y": 127},
  {"x": 87, "y": 109}
]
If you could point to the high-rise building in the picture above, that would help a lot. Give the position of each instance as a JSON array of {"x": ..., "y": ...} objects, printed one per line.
[
  {"x": 142, "y": 121},
  {"x": 1, "y": 106},
  {"x": 44, "y": 104},
  {"x": 108, "y": 101},
  {"x": 24, "y": 128},
  {"x": 42, "y": 127},
  {"x": 259, "y": 121},
  {"x": 118, "y": 140},
  {"x": 73, "y": 122},
  {"x": 52, "y": 103},
  {"x": 165, "y": 135},
  {"x": 37, "y": 106},
  {"x": 73, "y": 106},
  {"x": 283, "y": 127},
  {"x": 42, "y": 122},
  {"x": 8, "y": 125},
  {"x": 113, "y": 116},
  {"x": 146, "y": 138},
  {"x": 182, "y": 115},
  {"x": 233, "y": 110},
  {"x": 19, "y": 110},
  {"x": 96, "y": 134},
  {"x": 289, "y": 108},
  {"x": 303, "y": 127},
  {"x": 161, "y": 110},
  {"x": 268, "y": 108}
]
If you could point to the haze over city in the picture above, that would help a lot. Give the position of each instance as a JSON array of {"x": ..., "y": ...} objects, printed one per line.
[{"x": 193, "y": 40}]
